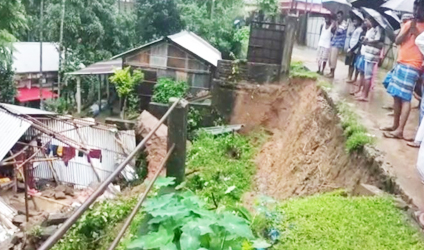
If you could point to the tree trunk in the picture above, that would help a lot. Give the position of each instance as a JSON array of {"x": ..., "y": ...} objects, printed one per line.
[{"x": 124, "y": 107}]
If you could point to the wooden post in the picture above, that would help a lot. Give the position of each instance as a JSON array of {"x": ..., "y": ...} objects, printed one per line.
[
  {"x": 107, "y": 87},
  {"x": 25, "y": 166},
  {"x": 177, "y": 134},
  {"x": 78, "y": 96},
  {"x": 100, "y": 93},
  {"x": 289, "y": 39}
]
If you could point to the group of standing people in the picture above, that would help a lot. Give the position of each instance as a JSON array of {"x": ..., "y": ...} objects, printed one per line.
[{"x": 364, "y": 49}]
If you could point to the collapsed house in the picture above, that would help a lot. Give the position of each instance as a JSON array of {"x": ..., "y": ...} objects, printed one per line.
[{"x": 39, "y": 147}]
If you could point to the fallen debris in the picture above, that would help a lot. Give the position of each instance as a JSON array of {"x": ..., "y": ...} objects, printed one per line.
[{"x": 156, "y": 147}]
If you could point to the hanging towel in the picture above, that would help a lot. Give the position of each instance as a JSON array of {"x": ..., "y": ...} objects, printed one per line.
[
  {"x": 68, "y": 154},
  {"x": 60, "y": 151},
  {"x": 48, "y": 148},
  {"x": 54, "y": 150},
  {"x": 94, "y": 153}
]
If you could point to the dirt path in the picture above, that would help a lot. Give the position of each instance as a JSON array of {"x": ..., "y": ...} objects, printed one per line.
[{"x": 400, "y": 157}]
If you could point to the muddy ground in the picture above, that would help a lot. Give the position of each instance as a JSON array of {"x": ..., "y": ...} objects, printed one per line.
[{"x": 305, "y": 154}]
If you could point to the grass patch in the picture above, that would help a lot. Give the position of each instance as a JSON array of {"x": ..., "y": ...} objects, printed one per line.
[
  {"x": 298, "y": 70},
  {"x": 332, "y": 221},
  {"x": 221, "y": 167},
  {"x": 324, "y": 85},
  {"x": 356, "y": 133},
  {"x": 97, "y": 226}
]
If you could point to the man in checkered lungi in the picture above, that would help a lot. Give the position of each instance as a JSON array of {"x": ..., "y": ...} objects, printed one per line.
[{"x": 406, "y": 72}]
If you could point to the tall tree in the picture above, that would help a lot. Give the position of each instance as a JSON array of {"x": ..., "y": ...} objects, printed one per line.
[
  {"x": 214, "y": 21},
  {"x": 12, "y": 19},
  {"x": 157, "y": 18}
]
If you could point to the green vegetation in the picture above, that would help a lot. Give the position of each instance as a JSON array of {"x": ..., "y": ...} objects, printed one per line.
[
  {"x": 157, "y": 18},
  {"x": 356, "y": 133},
  {"x": 167, "y": 88},
  {"x": 298, "y": 70},
  {"x": 59, "y": 105},
  {"x": 97, "y": 223},
  {"x": 332, "y": 221},
  {"x": 222, "y": 167},
  {"x": 125, "y": 83},
  {"x": 181, "y": 221},
  {"x": 7, "y": 83}
]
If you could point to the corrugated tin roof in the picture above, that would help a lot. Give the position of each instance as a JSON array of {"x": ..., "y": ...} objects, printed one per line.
[
  {"x": 189, "y": 41},
  {"x": 20, "y": 110},
  {"x": 197, "y": 46},
  {"x": 105, "y": 67},
  {"x": 26, "y": 57},
  {"x": 11, "y": 129},
  {"x": 137, "y": 48}
]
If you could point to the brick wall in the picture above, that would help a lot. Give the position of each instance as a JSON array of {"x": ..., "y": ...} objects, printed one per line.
[{"x": 233, "y": 72}]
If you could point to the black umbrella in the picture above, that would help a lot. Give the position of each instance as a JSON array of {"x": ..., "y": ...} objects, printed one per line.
[
  {"x": 393, "y": 19},
  {"x": 373, "y": 4},
  {"x": 382, "y": 21}
]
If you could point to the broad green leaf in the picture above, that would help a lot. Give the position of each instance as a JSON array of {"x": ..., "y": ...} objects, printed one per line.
[
  {"x": 190, "y": 240},
  {"x": 235, "y": 225},
  {"x": 260, "y": 243},
  {"x": 164, "y": 182},
  {"x": 177, "y": 210},
  {"x": 170, "y": 246},
  {"x": 136, "y": 244},
  {"x": 153, "y": 240},
  {"x": 158, "y": 202},
  {"x": 202, "y": 224}
]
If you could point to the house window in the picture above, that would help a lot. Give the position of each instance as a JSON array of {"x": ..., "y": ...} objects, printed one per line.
[
  {"x": 158, "y": 55},
  {"x": 199, "y": 81}
]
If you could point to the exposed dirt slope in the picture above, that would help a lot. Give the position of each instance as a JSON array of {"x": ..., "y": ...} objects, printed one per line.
[{"x": 306, "y": 153}]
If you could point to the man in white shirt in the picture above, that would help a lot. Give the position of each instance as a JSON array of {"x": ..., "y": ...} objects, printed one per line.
[{"x": 324, "y": 45}]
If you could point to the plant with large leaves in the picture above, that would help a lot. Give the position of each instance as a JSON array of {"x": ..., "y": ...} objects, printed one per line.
[{"x": 181, "y": 221}]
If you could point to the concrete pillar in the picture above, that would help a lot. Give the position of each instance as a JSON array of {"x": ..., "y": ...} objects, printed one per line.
[
  {"x": 289, "y": 40},
  {"x": 177, "y": 134},
  {"x": 78, "y": 95}
]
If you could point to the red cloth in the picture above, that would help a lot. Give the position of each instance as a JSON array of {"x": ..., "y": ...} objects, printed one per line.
[
  {"x": 68, "y": 154},
  {"x": 95, "y": 153},
  {"x": 33, "y": 94}
]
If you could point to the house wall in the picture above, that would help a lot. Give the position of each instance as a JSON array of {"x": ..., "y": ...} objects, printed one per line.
[
  {"x": 79, "y": 170},
  {"x": 28, "y": 80},
  {"x": 166, "y": 60}
]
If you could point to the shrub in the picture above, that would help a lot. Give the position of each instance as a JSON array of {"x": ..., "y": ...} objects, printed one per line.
[
  {"x": 356, "y": 133},
  {"x": 167, "y": 88}
]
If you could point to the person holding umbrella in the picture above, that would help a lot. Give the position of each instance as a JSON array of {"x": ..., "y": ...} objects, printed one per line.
[
  {"x": 370, "y": 51},
  {"x": 407, "y": 71},
  {"x": 339, "y": 29},
  {"x": 354, "y": 44}
]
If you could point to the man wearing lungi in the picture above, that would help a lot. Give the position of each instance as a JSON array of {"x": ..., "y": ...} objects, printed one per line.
[
  {"x": 406, "y": 72},
  {"x": 339, "y": 28}
]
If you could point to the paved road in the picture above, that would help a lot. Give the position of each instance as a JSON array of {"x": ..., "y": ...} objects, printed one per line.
[{"x": 401, "y": 157}]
